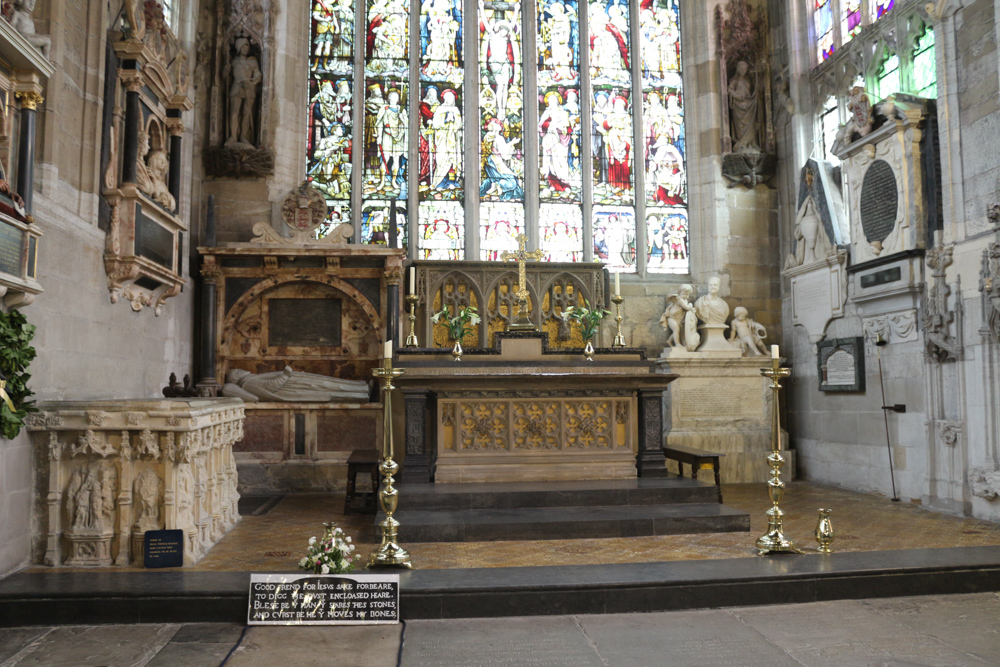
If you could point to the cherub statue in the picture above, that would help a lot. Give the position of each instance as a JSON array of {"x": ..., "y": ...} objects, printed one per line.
[
  {"x": 746, "y": 334},
  {"x": 680, "y": 320},
  {"x": 25, "y": 25}
]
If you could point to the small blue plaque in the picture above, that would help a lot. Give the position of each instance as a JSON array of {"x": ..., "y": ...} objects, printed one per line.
[{"x": 163, "y": 548}]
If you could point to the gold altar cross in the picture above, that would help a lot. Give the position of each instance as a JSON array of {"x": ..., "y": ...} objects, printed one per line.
[{"x": 521, "y": 256}]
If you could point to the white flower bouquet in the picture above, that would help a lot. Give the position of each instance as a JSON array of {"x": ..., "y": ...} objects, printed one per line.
[
  {"x": 334, "y": 554},
  {"x": 464, "y": 321}
]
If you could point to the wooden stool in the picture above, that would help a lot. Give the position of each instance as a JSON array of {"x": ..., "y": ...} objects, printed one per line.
[
  {"x": 698, "y": 459},
  {"x": 360, "y": 461}
]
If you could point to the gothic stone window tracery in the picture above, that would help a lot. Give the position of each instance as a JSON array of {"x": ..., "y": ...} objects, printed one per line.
[{"x": 580, "y": 193}]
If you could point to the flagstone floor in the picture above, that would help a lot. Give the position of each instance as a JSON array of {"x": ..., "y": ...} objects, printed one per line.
[
  {"x": 862, "y": 522},
  {"x": 275, "y": 540}
]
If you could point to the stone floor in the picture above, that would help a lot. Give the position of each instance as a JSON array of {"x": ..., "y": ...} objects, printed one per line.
[
  {"x": 932, "y": 630},
  {"x": 275, "y": 540}
]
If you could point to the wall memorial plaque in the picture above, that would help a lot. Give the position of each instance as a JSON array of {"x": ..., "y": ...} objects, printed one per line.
[
  {"x": 163, "y": 548},
  {"x": 304, "y": 322},
  {"x": 841, "y": 364},
  {"x": 153, "y": 241},
  {"x": 11, "y": 249},
  {"x": 879, "y": 200},
  {"x": 323, "y": 599}
]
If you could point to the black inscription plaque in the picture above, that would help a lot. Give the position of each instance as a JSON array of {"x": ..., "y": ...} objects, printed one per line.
[
  {"x": 11, "y": 249},
  {"x": 153, "y": 241},
  {"x": 878, "y": 201},
  {"x": 883, "y": 277},
  {"x": 841, "y": 364},
  {"x": 163, "y": 548},
  {"x": 310, "y": 599},
  {"x": 304, "y": 322},
  {"x": 32, "y": 256}
]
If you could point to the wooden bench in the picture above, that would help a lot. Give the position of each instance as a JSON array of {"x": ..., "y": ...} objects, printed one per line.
[
  {"x": 698, "y": 459},
  {"x": 362, "y": 461}
]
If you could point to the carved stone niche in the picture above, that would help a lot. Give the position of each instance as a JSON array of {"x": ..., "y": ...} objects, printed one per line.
[
  {"x": 111, "y": 470},
  {"x": 239, "y": 131},
  {"x": 141, "y": 185}
]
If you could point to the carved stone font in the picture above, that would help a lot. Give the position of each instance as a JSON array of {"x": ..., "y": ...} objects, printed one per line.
[
  {"x": 136, "y": 466},
  {"x": 25, "y": 24},
  {"x": 745, "y": 73},
  {"x": 942, "y": 312}
]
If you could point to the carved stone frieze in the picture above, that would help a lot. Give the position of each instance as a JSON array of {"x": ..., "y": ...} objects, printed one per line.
[
  {"x": 898, "y": 327},
  {"x": 118, "y": 482},
  {"x": 941, "y": 316}
]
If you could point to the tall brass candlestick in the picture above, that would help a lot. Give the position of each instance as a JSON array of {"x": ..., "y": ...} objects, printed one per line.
[
  {"x": 774, "y": 541},
  {"x": 411, "y": 340},
  {"x": 619, "y": 337},
  {"x": 389, "y": 553}
]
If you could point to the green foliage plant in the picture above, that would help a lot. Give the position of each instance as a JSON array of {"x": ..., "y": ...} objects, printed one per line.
[
  {"x": 16, "y": 353},
  {"x": 464, "y": 321},
  {"x": 588, "y": 318}
]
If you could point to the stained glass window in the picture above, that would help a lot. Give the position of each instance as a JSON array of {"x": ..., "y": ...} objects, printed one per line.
[
  {"x": 560, "y": 148},
  {"x": 823, "y": 23},
  {"x": 331, "y": 114},
  {"x": 337, "y": 214},
  {"x": 501, "y": 102},
  {"x": 850, "y": 19},
  {"x": 376, "y": 223},
  {"x": 442, "y": 231},
  {"x": 880, "y": 8},
  {"x": 663, "y": 115},
  {"x": 611, "y": 106},
  {"x": 667, "y": 240},
  {"x": 888, "y": 78},
  {"x": 925, "y": 66},
  {"x": 614, "y": 237},
  {"x": 499, "y": 225},
  {"x": 561, "y": 232},
  {"x": 441, "y": 173},
  {"x": 168, "y": 13}
]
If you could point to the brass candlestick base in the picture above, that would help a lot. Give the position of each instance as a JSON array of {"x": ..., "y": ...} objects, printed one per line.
[
  {"x": 411, "y": 340},
  {"x": 389, "y": 553},
  {"x": 522, "y": 323},
  {"x": 774, "y": 541},
  {"x": 619, "y": 337}
]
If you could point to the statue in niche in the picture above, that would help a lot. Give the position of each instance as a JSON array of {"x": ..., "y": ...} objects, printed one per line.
[
  {"x": 25, "y": 25},
  {"x": 90, "y": 499},
  {"x": 293, "y": 386},
  {"x": 147, "y": 501},
  {"x": 157, "y": 167},
  {"x": 743, "y": 101},
  {"x": 747, "y": 334},
  {"x": 712, "y": 309},
  {"x": 246, "y": 80},
  {"x": 680, "y": 320},
  {"x": 811, "y": 242},
  {"x": 143, "y": 179}
]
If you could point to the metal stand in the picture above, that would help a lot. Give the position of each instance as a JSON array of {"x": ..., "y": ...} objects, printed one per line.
[
  {"x": 411, "y": 340},
  {"x": 389, "y": 553},
  {"x": 880, "y": 342},
  {"x": 774, "y": 541},
  {"x": 619, "y": 337}
]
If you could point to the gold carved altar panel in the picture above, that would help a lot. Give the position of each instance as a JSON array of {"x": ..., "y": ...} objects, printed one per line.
[{"x": 535, "y": 435}]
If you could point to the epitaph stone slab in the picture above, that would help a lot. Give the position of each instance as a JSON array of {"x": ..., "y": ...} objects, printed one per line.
[
  {"x": 841, "y": 364},
  {"x": 323, "y": 599},
  {"x": 11, "y": 249},
  {"x": 818, "y": 294},
  {"x": 879, "y": 200},
  {"x": 304, "y": 322}
]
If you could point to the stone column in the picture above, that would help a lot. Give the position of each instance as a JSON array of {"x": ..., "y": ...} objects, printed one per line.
[
  {"x": 133, "y": 122},
  {"x": 650, "y": 461},
  {"x": 26, "y": 147},
  {"x": 208, "y": 385},
  {"x": 176, "y": 128},
  {"x": 418, "y": 465}
]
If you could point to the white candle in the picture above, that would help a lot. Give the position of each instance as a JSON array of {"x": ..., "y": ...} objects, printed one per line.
[
  {"x": 618, "y": 283},
  {"x": 387, "y": 352},
  {"x": 774, "y": 352},
  {"x": 413, "y": 280}
]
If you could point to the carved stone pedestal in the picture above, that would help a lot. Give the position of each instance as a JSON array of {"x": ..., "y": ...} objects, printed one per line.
[
  {"x": 93, "y": 549},
  {"x": 724, "y": 405}
]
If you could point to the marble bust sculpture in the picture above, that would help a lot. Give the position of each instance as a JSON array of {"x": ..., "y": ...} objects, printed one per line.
[
  {"x": 290, "y": 386},
  {"x": 712, "y": 309}
]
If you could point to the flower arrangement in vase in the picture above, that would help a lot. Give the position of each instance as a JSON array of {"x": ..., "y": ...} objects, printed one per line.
[
  {"x": 334, "y": 554},
  {"x": 589, "y": 320},
  {"x": 464, "y": 322}
]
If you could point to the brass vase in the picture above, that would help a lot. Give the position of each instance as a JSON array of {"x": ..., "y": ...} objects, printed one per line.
[
  {"x": 824, "y": 532},
  {"x": 456, "y": 352},
  {"x": 588, "y": 350}
]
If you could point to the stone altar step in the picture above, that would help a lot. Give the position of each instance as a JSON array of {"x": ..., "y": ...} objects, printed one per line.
[
  {"x": 563, "y": 523},
  {"x": 513, "y": 495}
]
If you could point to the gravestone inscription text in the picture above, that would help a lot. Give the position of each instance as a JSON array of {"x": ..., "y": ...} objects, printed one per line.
[{"x": 879, "y": 200}]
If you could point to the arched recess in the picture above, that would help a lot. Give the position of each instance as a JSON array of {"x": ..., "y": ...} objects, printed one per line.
[{"x": 456, "y": 289}]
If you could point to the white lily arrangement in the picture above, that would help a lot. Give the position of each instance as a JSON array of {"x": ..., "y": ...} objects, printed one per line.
[
  {"x": 334, "y": 554},
  {"x": 464, "y": 321}
]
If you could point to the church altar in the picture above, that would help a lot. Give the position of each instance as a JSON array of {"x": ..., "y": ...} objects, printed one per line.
[{"x": 521, "y": 411}]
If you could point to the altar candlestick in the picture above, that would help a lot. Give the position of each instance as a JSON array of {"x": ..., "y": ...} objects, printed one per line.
[
  {"x": 387, "y": 351},
  {"x": 774, "y": 352},
  {"x": 618, "y": 283},
  {"x": 413, "y": 280}
]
